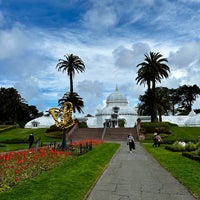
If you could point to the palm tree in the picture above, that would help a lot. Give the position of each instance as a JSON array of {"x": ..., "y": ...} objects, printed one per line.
[
  {"x": 75, "y": 99},
  {"x": 71, "y": 64},
  {"x": 152, "y": 70}
]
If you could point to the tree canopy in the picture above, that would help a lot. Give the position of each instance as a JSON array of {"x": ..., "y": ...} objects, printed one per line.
[{"x": 14, "y": 109}]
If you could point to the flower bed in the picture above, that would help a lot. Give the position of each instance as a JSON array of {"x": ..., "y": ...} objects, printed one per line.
[{"x": 22, "y": 165}]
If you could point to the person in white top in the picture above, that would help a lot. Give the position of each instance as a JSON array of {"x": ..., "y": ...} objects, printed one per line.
[{"x": 131, "y": 143}]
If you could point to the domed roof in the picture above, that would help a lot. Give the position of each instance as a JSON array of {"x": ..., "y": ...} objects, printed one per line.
[{"x": 116, "y": 98}]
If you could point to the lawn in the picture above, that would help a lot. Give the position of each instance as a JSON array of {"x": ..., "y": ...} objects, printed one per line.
[
  {"x": 70, "y": 181},
  {"x": 20, "y": 134},
  {"x": 185, "y": 170},
  {"x": 184, "y": 133}
]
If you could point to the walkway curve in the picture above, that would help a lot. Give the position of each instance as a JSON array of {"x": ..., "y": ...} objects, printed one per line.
[{"x": 137, "y": 176}]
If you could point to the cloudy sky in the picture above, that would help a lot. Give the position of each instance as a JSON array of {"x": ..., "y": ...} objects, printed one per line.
[{"x": 110, "y": 36}]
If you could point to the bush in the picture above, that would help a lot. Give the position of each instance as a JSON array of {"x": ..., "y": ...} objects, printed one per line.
[
  {"x": 82, "y": 125},
  {"x": 175, "y": 147},
  {"x": 198, "y": 145},
  {"x": 198, "y": 152},
  {"x": 192, "y": 156},
  {"x": 160, "y": 127},
  {"x": 52, "y": 129},
  {"x": 15, "y": 141},
  {"x": 190, "y": 146}
]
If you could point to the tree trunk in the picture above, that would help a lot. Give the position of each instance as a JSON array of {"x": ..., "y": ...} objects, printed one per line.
[
  {"x": 71, "y": 83},
  {"x": 154, "y": 104}
]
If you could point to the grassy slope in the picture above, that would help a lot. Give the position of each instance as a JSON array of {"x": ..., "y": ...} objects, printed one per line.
[
  {"x": 70, "y": 181},
  {"x": 185, "y": 133},
  {"x": 21, "y": 133}
]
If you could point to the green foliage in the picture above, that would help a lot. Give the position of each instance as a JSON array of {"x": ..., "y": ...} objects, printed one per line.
[
  {"x": 15, "y": 141},
  {"x": 175, "y": 147},
  {"x": 190, "y": 146},
  {"x": 82, "y": 125},
  {"x": 187, "y": 134},
  {"x": 192, "y": 156},
  {"x": 198, "y": 151},
  {"x": 52, "y": 129},
  {"x": 161, "y": 127},
  {"x": 184, "y": 133},
  {"x": 14, "y": 109}
]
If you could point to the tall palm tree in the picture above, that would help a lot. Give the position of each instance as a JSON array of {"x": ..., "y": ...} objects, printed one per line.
[
  {"x": 71, "y": 64},
  {"x": 152, "y": 70},
  {"x": 75, "y": 99}
]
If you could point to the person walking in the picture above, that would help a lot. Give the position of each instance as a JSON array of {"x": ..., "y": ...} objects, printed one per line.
[
  {"x": 31, "y": 140},
  {"x": 155, "y": 140},
  {"x": 158, "y": 139},
  {"x": 131, "y": 143}
]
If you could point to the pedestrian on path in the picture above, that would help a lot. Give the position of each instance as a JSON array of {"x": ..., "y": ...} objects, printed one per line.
[
  {"x": 155, "y": 140},
  {"x": 158, "y": 139},
  {"x": 131, "y": 143},
  {"x": 31, "y": 140}
]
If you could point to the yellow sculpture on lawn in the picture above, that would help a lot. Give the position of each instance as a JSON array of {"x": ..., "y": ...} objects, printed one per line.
[{"x": 63, "y": 115}]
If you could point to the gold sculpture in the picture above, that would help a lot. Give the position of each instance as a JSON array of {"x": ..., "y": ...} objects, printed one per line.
[{"x": 63, "y": 115}]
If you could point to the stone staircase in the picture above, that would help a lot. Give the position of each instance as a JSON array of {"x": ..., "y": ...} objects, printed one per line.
[
  {"x": 86, "y": 134},
  {"x": 119, "y": 134},
  {"x": 111, "y": 134}
]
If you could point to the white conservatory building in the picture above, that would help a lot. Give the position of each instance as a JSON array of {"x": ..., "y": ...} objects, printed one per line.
[{"x": 116, "y": 112}]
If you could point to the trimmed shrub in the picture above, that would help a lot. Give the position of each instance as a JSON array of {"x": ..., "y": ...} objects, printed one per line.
[
  {"x": 52, "y": 129},
  {"x": 192, "y": 156},
  {"x": 190, "y": 146},
  {"x": 15, "y": 141},
  {"x": 82, "y": 125},
  {"x": 198, "y": 151},
  {"x": 160, "y": 127},
  {"x": 175, "y": 147}
]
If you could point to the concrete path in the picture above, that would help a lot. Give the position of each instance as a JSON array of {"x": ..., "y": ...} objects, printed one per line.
[{"x": 137, "y": 176}]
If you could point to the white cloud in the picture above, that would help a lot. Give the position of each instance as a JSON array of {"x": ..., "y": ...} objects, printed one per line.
[
  {"x": 129, "y": 58},
  {"x": 111, "y": 37}
]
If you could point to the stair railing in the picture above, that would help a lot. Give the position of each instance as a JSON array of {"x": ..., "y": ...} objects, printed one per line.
[{"x": 104, "y": 132}]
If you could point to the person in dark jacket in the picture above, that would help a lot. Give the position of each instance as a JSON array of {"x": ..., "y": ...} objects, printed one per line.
[
  {"x": 31, "y": 140},
  {"x": 155, "y": 140}
]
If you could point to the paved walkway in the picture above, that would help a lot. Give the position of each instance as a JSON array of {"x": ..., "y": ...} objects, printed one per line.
[{"x": 137, "y": 176}]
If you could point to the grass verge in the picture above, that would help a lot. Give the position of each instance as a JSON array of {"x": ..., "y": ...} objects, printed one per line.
[
  {"x": 70, "y": 181},
  {"x": 185, "y": 170}
]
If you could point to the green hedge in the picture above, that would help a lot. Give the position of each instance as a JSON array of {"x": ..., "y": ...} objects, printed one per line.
[
  {"x": 15, "y": 141},
  {"x": 192, "y": 156},
  {"x": 160, "y": 127}
]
